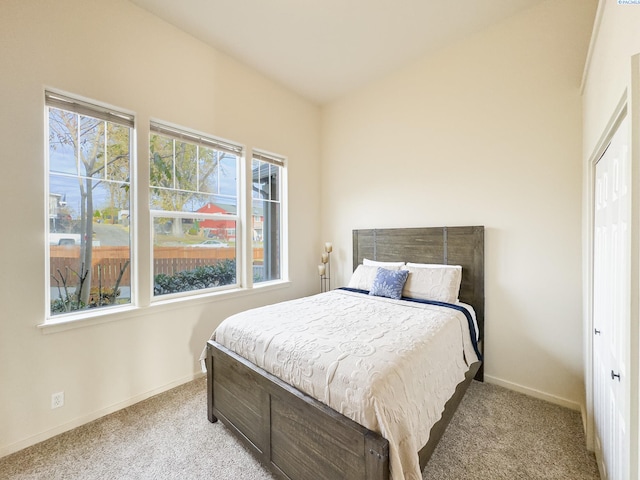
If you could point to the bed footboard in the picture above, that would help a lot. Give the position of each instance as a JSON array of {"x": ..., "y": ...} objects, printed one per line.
[{"x": 294, "y": 434}]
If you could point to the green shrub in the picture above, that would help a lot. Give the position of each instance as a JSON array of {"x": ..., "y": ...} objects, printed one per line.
[
  {"x": 71, "y": 304},
  {"x": 208, "y": 276}
]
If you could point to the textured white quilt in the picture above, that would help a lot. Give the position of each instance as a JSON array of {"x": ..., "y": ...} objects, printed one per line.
[{"x": 390, "y": 365}]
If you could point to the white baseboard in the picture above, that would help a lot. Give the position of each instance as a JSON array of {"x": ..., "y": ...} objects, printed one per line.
[
  {"x": 532, "y": 392},
  {"x": 27, "y": 442},
  {"x": 583, "y": 414}
]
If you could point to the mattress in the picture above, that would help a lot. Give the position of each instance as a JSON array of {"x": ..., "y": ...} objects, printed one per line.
[{"x": 390, "y": 365}]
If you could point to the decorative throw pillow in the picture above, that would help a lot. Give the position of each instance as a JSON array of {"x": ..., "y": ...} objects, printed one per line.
[{"x": 389, "y": 283}]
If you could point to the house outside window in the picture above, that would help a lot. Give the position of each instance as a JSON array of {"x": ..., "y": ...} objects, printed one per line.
[
  {"x": 268, "y": 180},
  {"x": 194, "y": 208},
  {"x": 88, "y": 187}
]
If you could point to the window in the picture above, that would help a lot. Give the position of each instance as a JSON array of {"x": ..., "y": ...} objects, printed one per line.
[
  {"x": 267, "y": 181},
  {"x": 89, "y": 252},
  {"x": 194, "y": 208},
  {"x": 205, "y": 205}
]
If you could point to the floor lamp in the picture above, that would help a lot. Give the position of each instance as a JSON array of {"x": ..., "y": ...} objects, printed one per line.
[{"x": 324, "y": 269}]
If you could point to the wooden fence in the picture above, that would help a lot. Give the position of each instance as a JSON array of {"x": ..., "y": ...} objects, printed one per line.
[{"x": 108, "y": 261}]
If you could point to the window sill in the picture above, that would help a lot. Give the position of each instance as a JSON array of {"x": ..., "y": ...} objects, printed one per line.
[{"x": 86, "y": 319}]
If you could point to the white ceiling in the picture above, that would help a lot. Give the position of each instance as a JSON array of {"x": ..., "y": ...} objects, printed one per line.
[{"x": 323, "y": 49}]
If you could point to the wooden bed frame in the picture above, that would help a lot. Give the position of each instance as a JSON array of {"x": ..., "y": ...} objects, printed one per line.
[{"x": 300, "y": 438}]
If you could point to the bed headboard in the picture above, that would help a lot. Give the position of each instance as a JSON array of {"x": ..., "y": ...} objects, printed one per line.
[{"x": 446, "y": 245}]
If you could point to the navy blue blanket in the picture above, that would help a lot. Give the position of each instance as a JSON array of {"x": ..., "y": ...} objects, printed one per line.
[{"x": 460, "y": 308}]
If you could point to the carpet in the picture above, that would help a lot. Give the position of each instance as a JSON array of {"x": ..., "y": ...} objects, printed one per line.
[{"x": 496, "y": 434}]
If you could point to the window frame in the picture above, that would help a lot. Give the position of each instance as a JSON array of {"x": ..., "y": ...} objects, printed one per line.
[
  {"x": 281, "y": 162},
  {"x": 199, "y": 139},
  {"x": 139, "y": 191},
  {"x": 103, "y": 112}
]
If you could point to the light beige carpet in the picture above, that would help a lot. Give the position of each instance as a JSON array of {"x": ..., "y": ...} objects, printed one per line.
[{"x": 496, "y": 434}]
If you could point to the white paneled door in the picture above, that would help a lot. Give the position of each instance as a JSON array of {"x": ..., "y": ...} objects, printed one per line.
[{"x": 611, "y": 306}]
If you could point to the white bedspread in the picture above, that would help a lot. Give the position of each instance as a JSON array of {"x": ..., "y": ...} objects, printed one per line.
[{"x": 390, "y": 365}]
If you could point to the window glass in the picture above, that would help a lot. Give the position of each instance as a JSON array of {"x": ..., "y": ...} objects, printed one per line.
[
  {"x": 266, "y": 219},
  {"x": 194, "y": 202},
  {"x": 88, "y": 232},
  {"x": 199, "y": 223}
]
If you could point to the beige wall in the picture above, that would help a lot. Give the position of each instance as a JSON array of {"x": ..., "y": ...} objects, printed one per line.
[
  {"x": 116, "y": 53},
  {"x": 608, "y": 74},
  {"x": 486, "y": 132}
]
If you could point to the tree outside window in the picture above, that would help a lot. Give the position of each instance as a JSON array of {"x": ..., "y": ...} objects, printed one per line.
[
  {"x": 194, "y": 207},
  {"x": 199, "y": 223},
  {"x": 89, "y": 206}
]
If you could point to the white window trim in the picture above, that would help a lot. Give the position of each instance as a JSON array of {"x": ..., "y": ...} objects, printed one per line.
[
  {"x": 102, "y": 111},
  {"x": 183, "y": 134},
  {"x": 244, "y": 254},
  {"x": 164, "y": 305},
  {"x": 281, "y": 161}
]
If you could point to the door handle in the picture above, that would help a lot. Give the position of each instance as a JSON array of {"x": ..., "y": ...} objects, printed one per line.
[
  {"x": 615, "y": 375},
  {"x": 596, "y": 331}
]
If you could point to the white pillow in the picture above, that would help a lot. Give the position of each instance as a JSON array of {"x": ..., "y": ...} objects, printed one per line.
[
  {"x": 363, "y": 277},
  {"x": 438, "y": 282},
  {"x": 387, "y": 265},
  {"x": 429, "y": 265}
]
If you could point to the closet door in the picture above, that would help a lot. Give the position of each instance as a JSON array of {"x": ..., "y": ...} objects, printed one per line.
[{"x": 611, "y": 306}]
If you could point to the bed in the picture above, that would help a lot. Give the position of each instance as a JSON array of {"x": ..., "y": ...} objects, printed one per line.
[{"x": 294, "y": 431}]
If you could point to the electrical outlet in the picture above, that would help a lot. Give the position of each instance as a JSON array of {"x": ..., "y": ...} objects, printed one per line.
[{"x": 57, "y": 400}]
